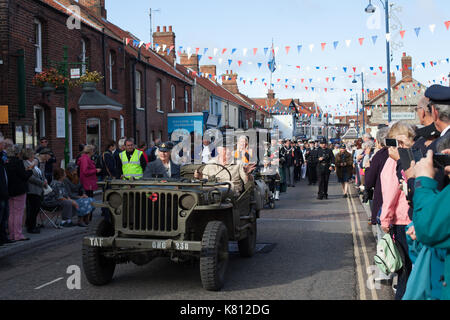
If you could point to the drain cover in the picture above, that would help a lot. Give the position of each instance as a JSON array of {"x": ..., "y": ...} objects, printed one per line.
[{"x": 260, "y": 247}]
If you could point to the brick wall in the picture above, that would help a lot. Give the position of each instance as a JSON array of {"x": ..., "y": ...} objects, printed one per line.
[{"x": 55, "y": 35}]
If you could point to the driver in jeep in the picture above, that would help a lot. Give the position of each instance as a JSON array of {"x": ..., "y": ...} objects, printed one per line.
[{"x": 240, "y": 173}]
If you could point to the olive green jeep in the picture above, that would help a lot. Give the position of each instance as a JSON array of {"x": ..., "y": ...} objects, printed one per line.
[{"x": 182, "y": 219}]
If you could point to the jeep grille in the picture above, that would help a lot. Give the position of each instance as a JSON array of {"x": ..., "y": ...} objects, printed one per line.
[{"x": 140, "y": 213}]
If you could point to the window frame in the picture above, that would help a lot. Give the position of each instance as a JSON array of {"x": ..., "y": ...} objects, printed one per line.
[
  {"x": 38, "y": 45},
  {"x": 173, "y": 95},
  {"x": 138, "y": 90},
  {"x": 158, "y": 88}
]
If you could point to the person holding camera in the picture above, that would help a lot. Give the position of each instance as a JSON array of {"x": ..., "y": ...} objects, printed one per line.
[
  {"x": 325, "y": 165},
  {"x": 344, "y": 168}
]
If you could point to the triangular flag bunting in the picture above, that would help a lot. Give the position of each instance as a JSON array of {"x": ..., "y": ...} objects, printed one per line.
[
  {"x": 447, "y": 24},
  {"x": 402, "y": 33},
  {"x": 374, "y": 39},
  {"x": 417, "y": 30},
  {"x": 335, "y": 44},
  {"x": 361, "y": 40},
  {"x": 323, "y": 46}
]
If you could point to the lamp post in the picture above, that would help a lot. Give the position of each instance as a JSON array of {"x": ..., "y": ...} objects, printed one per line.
[
  {"x": 63, "y": 68},
  {"x": 371, "y": 9}
]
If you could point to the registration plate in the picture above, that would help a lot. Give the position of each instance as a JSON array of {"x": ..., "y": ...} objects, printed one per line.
[{"x": 181, "y": 245}]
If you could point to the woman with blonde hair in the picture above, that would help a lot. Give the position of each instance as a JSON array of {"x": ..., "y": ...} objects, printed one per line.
[{"x": 394, "y": 211}]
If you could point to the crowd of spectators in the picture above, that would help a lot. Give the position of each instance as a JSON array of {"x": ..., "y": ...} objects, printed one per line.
[{"x": 405, "y": 176}]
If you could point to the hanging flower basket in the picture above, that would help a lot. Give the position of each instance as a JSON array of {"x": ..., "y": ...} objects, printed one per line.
[
  {"x": 49, "y": 78},
  {"x": 89, "y": 80}
]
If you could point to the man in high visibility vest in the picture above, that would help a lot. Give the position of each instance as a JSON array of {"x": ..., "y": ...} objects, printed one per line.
[{"x": 132, "y": 161}]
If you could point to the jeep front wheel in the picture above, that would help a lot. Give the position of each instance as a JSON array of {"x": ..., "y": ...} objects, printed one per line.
[
  {"x": 98, "y": 269},
  {"x": 214, "y": 256}
]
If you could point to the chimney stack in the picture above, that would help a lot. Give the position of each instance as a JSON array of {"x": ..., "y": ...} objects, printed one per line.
[
  {"x": 96, "y": 7},
  {"x": 209, "y": 70},
  {"x": 393, "y": 79},
  {"x": 271, "y": 94},
  {"x": 190, "y": 62},
  {"x": 167, "y": 39},
  {"x": 406, "y": 68},
  {"x": 229, "y": 82}
]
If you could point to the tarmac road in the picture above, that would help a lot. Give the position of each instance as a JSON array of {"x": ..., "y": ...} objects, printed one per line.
[{"x": 308, "y": 250}]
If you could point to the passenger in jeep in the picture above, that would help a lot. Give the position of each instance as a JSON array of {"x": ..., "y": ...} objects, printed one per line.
[{"x": 240, "y": 173}]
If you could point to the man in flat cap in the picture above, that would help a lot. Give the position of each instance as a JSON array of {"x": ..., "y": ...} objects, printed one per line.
[
  {"x": 325, "y": 165},
  {"x": 163, "y": 166}
]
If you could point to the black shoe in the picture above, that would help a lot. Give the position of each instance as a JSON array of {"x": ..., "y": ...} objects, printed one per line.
[
  {"x": 345, "y": 195},
  {"x": 9, "y": 241},
  {"x": 326, "y": 197},
  {"x": 319, "y": 198}
]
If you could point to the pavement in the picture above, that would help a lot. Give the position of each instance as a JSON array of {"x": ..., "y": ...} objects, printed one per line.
[{"x": 48, "y": 235}]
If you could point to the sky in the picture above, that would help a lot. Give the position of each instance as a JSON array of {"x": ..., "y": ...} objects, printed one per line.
[{"x": 244, "y": 25}]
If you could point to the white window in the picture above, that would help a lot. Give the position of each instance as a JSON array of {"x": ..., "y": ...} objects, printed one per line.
[
  {"x": 38, "y": 44},
  {"x": 122, "y": 126},
  {"x": 83, "y": 57},
  {"x": 113, "y": 129},
  {"x": 186, "y": 101},
  {"x": 158, "y": 95},
  {"x": 173, "y": 92},
  {"x": 111, "y": 64},
  {"x": 138, "y": 90}
]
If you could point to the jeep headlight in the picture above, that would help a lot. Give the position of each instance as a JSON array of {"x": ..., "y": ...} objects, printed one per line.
[
  {"x": 187, "y": 202},
  {"x": 114, "y": 200}
]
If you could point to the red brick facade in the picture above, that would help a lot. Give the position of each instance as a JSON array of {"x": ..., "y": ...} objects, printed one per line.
[{"x": 17, "y": 32}]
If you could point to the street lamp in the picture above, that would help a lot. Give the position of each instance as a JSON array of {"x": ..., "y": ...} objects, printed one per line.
[{"x": 371, "y": 9}]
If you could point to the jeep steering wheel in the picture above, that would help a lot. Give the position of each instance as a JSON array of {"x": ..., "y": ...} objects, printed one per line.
[{"x": 200, "y": 169}]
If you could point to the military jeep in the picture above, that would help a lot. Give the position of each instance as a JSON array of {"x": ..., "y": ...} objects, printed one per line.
[{"x": 183, "y": 219}]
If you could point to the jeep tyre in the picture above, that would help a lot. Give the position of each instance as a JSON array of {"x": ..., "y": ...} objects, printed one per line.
[
  {"x": 98, "y": 269},
  {"x": 214, "y": 256},
  {"x": 247, "y": 246}
]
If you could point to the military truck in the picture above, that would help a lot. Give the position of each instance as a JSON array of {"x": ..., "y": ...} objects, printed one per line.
[{"x": 181, "y": 219}]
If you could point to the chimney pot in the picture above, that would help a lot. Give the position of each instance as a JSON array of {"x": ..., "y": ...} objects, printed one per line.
[
  {"x": 158, "y": 29},
  {"x": 170, "y": 28},
  {"x": 164, "y": 29}
]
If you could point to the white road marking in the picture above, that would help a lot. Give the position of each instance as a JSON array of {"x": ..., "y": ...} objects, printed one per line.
[
  {"x": 362, "y": 289},
  {"x": 48, "y": 283},
  {"x": 363, "y": 244}
]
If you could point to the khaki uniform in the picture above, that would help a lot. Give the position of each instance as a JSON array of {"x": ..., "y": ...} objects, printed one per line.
[{"x": 238, "y": 176}]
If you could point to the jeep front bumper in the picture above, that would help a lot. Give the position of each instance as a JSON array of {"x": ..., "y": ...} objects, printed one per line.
[{"x": 150, "y": 244}]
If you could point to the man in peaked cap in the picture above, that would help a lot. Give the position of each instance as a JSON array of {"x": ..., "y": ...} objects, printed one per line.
[
  {"x": 163, "y": 166},
  {"x": 439, "y": 107},
  {"x": 326, "y": 162}
]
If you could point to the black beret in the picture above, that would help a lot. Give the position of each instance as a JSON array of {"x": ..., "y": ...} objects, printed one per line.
[{"x": 438, "y": 94}]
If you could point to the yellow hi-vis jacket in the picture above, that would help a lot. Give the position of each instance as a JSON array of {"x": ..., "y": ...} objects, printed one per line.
[{"x": 132, "y": 168}]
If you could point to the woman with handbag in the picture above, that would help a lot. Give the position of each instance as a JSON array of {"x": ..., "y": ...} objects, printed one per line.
[{"x": 36, "y": 185}]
